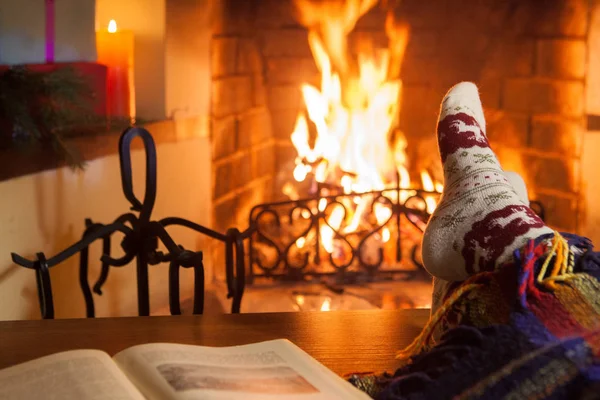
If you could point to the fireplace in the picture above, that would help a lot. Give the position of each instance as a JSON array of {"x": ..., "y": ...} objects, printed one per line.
[
  {"x": 532, "y": 61},
  {"x": 320, "y": 227},
  {"x": 329, "y": 230}
]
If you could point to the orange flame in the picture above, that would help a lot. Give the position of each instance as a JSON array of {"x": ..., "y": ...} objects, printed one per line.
[
  {"x": 354, "y": 112},
  {"x": 327, "y": 233}
]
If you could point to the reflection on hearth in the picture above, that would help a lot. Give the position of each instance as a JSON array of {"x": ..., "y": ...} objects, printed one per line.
[{"x": 294, "y": 297}]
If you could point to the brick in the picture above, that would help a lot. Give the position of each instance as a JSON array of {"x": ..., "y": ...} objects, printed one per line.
[
  {"x": 292, "y": 70},
  {"x": 285, "y": 156},
  {"x": 255, "y": 126},
  {"x": 242, "y": 134},
  {"x": 283, "y": 123},
  {"x": 419, "y": 70},
  {"x": 217, "y": 253},
  {"x": 557, "y": 135},
  {"x": 544, "y": 96},
  {"x": 285, "y": 43},
  {"x": 276, "y": 14},
  {"x": 223, "y": 56},
  {"x": 222, "y": 180},
  {"x": 423, "y": 155},
  {"x": 242, "y": 170},
  {"x": 464, "y": 41},
  {"x": 512, "y": 160},
  {"x": 551, "y": 173},
  {"x": 560, "y": 18},
  {"x": 285, "y": 97},
  {"x": 223, "y": 137},
  {"x": 445, "y": 70},
  {"x": 511, "y": 130},
  {"x": 254, "y": 195},
  {"x": 263, "y": 162},
  {"x": 561, "y": 59},
  {"x": 234, "y": 17},
  {"x": 422, "y": 43},
  {"x": 231, "y": 95},
  {"x": 519, "y": 57},
  {"x": 516, "y": 95},
  {"x": 424, "y": 14},
  {"x": 566, "y": 98},
  {"x": 259, "y": 91},
  {"x": 264, "y": 131},
  {"x": 511, "y": 59},
  {"x": 490, "y": 92},
  {"x": 560, "y": 212},
  {"x": 502, "y": 17},
  {"x": 249, "y": 59},
  {"x": 223, "y": 217},
  {"x": 476, "y": 14},
  {"x": 420, "y": 106}
]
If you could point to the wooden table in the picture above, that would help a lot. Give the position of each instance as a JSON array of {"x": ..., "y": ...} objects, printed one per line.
[{"x": 344, "y": 341}]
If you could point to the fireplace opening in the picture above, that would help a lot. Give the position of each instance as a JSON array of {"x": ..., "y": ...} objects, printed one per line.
[{"x": 324, "y": 118}]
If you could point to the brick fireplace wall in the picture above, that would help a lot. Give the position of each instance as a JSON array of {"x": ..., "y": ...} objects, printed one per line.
[
  {"x": 243, "y": 143},
  {"x": 528, "y": 58}
]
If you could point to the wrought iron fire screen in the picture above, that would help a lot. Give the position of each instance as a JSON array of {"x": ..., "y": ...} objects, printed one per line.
[
  {"x": 286, "y": 244},
  {"x": 140, "y": 242}
]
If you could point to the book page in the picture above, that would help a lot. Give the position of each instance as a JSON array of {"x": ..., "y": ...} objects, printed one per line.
[
  {"x": 269, "y": 370},
  {"x": 71, "y": 375}
]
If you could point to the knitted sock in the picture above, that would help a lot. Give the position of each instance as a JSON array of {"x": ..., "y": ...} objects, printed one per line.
[{"x": 480, "y": 219}]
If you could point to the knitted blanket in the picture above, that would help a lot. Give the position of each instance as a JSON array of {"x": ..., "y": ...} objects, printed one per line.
[{"x": 530, "y": 330}]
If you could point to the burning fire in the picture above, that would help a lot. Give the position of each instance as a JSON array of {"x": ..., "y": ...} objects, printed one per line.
[{"x": 348, "y": 137}]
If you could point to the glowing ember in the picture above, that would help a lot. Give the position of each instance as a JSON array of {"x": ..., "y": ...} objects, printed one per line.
[
  {"x": 301, "y": 242},
  {"x": 326, "y": 306},
  {"x": 348, "y": 136}
]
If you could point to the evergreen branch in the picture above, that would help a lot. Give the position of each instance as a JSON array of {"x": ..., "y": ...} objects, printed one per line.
[{"x": 45, "y": 108}]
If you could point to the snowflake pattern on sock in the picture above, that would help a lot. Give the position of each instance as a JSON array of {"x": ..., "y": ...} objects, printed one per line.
[
  {"x": 496, "y": 197},
  {"x": 450, "y": 221},
  {"x": 480, "y": 217}
]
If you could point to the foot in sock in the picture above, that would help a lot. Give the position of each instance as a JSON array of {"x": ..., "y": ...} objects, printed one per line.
[{"x": 480, "y": 219}]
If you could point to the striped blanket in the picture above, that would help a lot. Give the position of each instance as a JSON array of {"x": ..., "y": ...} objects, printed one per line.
[{"x": 530, "y": 330}]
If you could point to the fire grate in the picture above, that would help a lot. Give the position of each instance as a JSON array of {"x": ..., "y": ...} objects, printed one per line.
[{"x": 286, "y": 241}]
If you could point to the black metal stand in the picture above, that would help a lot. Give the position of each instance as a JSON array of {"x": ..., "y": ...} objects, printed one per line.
[{"x": 141, "y": 243}]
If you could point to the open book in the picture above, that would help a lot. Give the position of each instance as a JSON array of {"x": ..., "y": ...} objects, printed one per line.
[{"x": 275, "y": 369}]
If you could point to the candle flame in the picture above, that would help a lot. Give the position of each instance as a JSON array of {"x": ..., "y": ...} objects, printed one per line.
[{"x": 112, "y": 26}]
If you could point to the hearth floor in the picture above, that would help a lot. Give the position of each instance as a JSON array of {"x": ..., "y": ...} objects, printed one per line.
[{"x": 291, "y": 297}]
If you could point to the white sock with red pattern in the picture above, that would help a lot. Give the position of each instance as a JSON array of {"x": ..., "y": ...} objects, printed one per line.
[{"x": 480, "y": 219}]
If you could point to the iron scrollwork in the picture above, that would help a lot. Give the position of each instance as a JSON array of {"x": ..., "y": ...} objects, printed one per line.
[
  {"x": 141, "y": 237},
  {"x": 287, "y": 242},
  {"x": 281, "y": 230}
]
